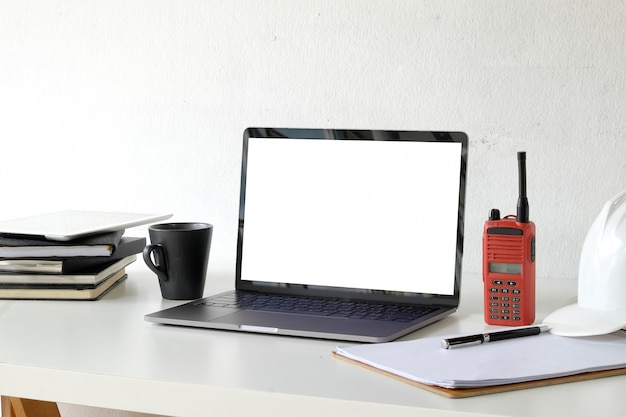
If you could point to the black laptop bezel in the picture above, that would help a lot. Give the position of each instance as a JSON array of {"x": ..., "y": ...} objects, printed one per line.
[{"x": 356, "y": 293}]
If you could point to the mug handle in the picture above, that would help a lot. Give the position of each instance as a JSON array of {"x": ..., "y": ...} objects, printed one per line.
[{"x": 159, "y": 266}]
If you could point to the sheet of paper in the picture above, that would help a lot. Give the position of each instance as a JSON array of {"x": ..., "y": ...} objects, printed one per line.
[{"x": 510, "y": 361}]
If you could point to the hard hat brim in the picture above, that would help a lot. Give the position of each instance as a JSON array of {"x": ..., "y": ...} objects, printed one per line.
[{"x": 575, "y": 321}]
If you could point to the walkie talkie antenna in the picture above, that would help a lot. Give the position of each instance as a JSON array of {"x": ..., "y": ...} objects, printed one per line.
[{"x": 522, "y": 201}]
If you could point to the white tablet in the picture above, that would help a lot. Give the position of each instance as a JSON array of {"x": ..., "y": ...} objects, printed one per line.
[{"x": 72, "y": 224}]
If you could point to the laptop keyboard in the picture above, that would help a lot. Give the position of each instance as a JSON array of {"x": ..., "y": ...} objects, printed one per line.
[{"x": 333, "y": 307}]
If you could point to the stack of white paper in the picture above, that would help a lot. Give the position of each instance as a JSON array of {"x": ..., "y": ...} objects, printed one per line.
[{"x": 497, "y": 363}]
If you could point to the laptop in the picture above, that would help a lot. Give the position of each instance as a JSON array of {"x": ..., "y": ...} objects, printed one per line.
[
  {"x": 352, "y": 235},
  {"x": 73, "y": 224}
]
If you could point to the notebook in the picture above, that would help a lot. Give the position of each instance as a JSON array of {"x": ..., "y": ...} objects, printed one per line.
[
  {"x": 343, "y": 234},
  {"x": 541, "y": 360}
]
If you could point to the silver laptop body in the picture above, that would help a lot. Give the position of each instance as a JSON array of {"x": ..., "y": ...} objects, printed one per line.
[{"x": 343, "y": 234}]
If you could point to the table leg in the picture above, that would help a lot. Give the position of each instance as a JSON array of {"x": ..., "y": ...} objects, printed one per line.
[{"x": 22, "y": 407}]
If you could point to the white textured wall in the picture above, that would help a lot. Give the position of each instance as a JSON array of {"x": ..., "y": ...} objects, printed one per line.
[{"x": 140, "y": 104}]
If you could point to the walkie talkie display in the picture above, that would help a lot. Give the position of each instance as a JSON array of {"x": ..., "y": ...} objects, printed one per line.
[{"x": 509, "y": 262}]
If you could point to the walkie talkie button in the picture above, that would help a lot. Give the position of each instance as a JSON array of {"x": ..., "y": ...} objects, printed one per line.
[
  {"x": 517, "y": 299},
  {"x": 498, "y": 282},
  {"x": 494, "y": 297},
  {"x": 495, "y": 317},
  {"x": 516, "y": 291},
  {"x": 517, "y": 318},
  {"x": 505, "y": 291},
  {"x": 511, "y": 283},
  {"x": 504, "y": 298},
  {"x": 493, "y": 289}
]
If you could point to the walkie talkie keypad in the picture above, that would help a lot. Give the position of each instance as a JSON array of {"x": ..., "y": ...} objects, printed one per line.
[{"x": 505, "y": 300}]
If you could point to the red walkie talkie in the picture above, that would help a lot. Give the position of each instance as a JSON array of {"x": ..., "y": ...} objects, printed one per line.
[{"x": 509, "y": 262}]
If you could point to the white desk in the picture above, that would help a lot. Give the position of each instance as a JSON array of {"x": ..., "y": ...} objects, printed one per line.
[{"x": 104, "y": 354}]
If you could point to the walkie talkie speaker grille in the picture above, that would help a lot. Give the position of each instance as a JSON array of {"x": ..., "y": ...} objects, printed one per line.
[{"x": 601, "y": 306}]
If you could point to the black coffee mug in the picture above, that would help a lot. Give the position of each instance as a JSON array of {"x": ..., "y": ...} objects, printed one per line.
[{"x": 179, "y": 255}]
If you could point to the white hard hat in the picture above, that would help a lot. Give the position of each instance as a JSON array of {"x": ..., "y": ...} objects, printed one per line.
[{"x": 601, "y": 306}]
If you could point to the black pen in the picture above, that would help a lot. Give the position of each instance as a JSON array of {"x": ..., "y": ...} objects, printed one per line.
[{"x": 479, "y": 339}]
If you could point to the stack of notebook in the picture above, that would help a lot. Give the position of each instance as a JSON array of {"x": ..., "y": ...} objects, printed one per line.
[
  {"x": 68, "y": 255},
  {"x": 80, "y": 269},
  {"x": 84, "y": 268}
]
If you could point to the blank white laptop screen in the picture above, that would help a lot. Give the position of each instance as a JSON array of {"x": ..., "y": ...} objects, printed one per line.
[{"x": 376, "y": 215}]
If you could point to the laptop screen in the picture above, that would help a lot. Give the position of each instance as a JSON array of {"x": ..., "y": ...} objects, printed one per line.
[{"x": 337, "y": 212}]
